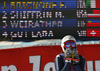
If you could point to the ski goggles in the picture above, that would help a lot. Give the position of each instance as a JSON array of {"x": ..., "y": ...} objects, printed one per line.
[{"x": 70, "y": 44}]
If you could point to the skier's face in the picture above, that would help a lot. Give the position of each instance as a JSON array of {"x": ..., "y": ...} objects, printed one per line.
[{"x": 69, "y": 45}]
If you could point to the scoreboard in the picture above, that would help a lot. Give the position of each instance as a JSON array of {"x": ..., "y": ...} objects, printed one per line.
[{"x": 50, "y": 19}]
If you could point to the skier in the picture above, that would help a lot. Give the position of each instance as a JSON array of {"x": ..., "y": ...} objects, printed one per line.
[{"x": 69, "y": 59}]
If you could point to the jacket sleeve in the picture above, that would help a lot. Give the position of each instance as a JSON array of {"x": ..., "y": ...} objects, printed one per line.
[
  {"x": 59, "y": 64},
  {"x": 81, "y": 65}
]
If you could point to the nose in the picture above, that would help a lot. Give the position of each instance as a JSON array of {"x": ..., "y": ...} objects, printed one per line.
[{"x": 72, "y": 48}]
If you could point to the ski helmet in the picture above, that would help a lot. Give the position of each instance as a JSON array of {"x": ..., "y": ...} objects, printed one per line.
[{"x": 67, "y": 38}]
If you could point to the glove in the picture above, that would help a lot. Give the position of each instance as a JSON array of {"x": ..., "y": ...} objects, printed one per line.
[
  {"x": 68, "y": 55},
  {"x": 75, "y": 58}
]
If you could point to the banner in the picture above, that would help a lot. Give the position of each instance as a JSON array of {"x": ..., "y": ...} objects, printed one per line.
[{"x": 41, "y": 58}]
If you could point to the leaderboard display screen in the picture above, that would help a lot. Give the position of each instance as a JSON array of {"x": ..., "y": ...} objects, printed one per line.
[{"x": 46, "y": 19}]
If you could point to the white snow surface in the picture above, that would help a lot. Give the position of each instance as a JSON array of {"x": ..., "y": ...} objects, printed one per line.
[{"x": 47, "y": 42}]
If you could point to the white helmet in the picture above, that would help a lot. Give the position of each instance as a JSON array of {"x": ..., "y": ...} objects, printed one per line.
[{"x": 66, "y": 38}]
